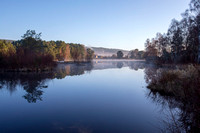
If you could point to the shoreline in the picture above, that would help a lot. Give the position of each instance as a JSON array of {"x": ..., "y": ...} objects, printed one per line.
[
  {"x": 27, "y": 69},
  {"x": 51, "y": 68}
]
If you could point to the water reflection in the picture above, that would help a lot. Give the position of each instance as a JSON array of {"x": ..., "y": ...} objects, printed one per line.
[
  {"x": 181, "y": 112},
  {"x": 34, "y": 83},
  {"x": 97, "y": 102},
  {"x": 135, "y": 65}
]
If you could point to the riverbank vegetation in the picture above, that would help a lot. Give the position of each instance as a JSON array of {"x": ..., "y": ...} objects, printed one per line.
[
  {"x": 177, "y": 85},
  {"x": 180, "y": 89},
  {"x": 33, "y": 54},
  {"x": 181, "y": 44},
  {"x": 178, "y": 82}
]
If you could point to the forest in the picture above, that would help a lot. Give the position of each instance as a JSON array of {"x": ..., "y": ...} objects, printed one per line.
[
  {"x": 33, "y": 53},
  {"x": 181, "y": 43}
]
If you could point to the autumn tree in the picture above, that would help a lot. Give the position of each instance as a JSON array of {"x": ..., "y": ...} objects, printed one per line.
[
  {"x": 90, "y": 54},
  {"x": 77, "y": 52},
  {"x": 151, "y": 50},
  {"x": 7, "y": 53},
  {"x": 34, "y": 53},
  {"x": 182, "y": 41}
]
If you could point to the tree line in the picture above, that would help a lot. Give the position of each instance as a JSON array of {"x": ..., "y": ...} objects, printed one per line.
[
  {"x": 133, "y": 54},
  {"x": 33, "y": 52},
  {"x": 181, "y": 43}
]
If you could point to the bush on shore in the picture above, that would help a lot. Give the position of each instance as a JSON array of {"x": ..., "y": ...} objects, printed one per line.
[{"x": 179, "y": 82}]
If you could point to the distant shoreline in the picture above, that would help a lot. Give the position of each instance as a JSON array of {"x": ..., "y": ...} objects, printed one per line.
[
  {"x": 119, "y": 60},
  {"x": 42, "y": 69},
  {"x": 94, "y": 60}
]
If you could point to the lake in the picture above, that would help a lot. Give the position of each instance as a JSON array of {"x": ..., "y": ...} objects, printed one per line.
[{"x": 97, "y": 97}]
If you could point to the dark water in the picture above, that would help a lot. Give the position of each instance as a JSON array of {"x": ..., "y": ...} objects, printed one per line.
[{"x": 102, "y": 97}]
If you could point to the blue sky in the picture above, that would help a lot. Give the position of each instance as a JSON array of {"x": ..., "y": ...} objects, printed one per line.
[{"x": 122, "y": 24}]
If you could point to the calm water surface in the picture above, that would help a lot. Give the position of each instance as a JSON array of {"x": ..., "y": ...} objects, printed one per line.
[{"x": 102, "y": 97}]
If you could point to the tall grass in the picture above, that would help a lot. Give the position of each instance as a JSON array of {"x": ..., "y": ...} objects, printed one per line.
[
  {"x": 178, "y": 82},
  {"x": 182, "y": 85}
]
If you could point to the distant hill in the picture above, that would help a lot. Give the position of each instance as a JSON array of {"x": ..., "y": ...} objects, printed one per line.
[{"x": 107, "y": 51}]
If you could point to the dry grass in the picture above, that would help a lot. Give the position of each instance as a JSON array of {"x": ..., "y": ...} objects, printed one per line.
[
  {"x": 182, "y": 85},
  {"x": 176, "y": 82}
]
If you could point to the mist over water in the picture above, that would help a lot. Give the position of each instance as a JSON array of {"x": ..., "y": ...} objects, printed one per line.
[{"x": 102, "y": 96}]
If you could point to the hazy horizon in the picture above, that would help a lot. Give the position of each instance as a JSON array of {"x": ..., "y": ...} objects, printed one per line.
[{"x": 122, "y": 24}]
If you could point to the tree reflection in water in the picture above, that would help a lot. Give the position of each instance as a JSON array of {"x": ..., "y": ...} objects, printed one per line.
[
  {"x": 135, "y": 65},
  {"x": 34, "y": 83},
  {"x": 120, "y": 64},
  {"x": 181, "y": 108}
]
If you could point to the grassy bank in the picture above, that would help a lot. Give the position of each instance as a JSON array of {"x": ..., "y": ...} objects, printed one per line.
[
  {"x": 181, "y": 81},
  {"x": 181, "y": 88}
]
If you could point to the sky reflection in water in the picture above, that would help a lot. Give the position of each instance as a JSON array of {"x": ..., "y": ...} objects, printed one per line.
[{"x": 99, "y": 97}]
